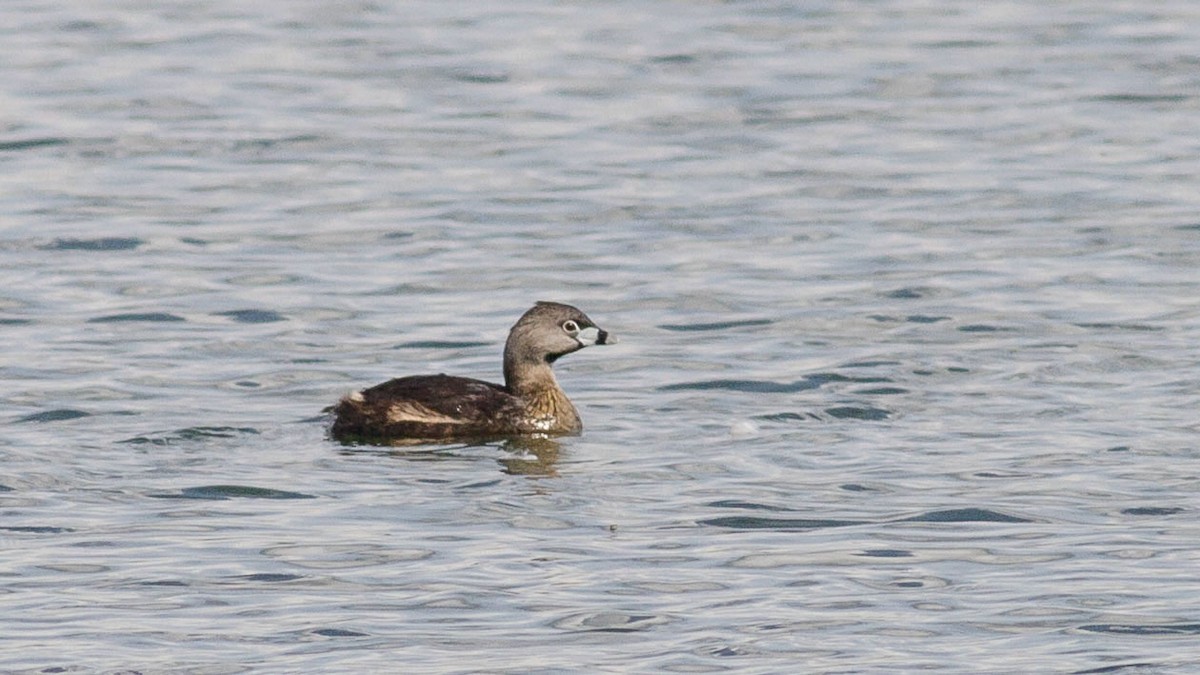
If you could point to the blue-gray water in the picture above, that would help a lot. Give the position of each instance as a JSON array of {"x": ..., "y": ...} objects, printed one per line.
[{"x": 907, "y": 293}]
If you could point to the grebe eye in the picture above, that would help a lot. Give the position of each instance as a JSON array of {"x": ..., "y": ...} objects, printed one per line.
[{"x": 570, "y": 326}]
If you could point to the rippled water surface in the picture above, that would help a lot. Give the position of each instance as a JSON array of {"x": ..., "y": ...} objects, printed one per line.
[{"x": 907, "y": 293}]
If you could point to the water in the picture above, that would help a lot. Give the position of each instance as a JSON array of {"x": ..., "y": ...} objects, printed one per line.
[{"x": 907, "y": 297}]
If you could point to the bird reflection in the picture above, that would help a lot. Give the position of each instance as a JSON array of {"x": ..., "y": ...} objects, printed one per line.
[
  {"x": 521, "y": 456},
  {"x": 531, "y": 456}
]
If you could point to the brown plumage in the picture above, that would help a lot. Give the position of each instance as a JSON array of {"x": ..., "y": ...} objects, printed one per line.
[{"x": 432, "y": 407}]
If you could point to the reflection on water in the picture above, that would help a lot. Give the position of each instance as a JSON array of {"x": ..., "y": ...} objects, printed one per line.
[{"x": 531, "y": 456}]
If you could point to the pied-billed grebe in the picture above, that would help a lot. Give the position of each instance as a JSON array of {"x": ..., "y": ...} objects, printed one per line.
[{"x": 442, "y": 406}]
